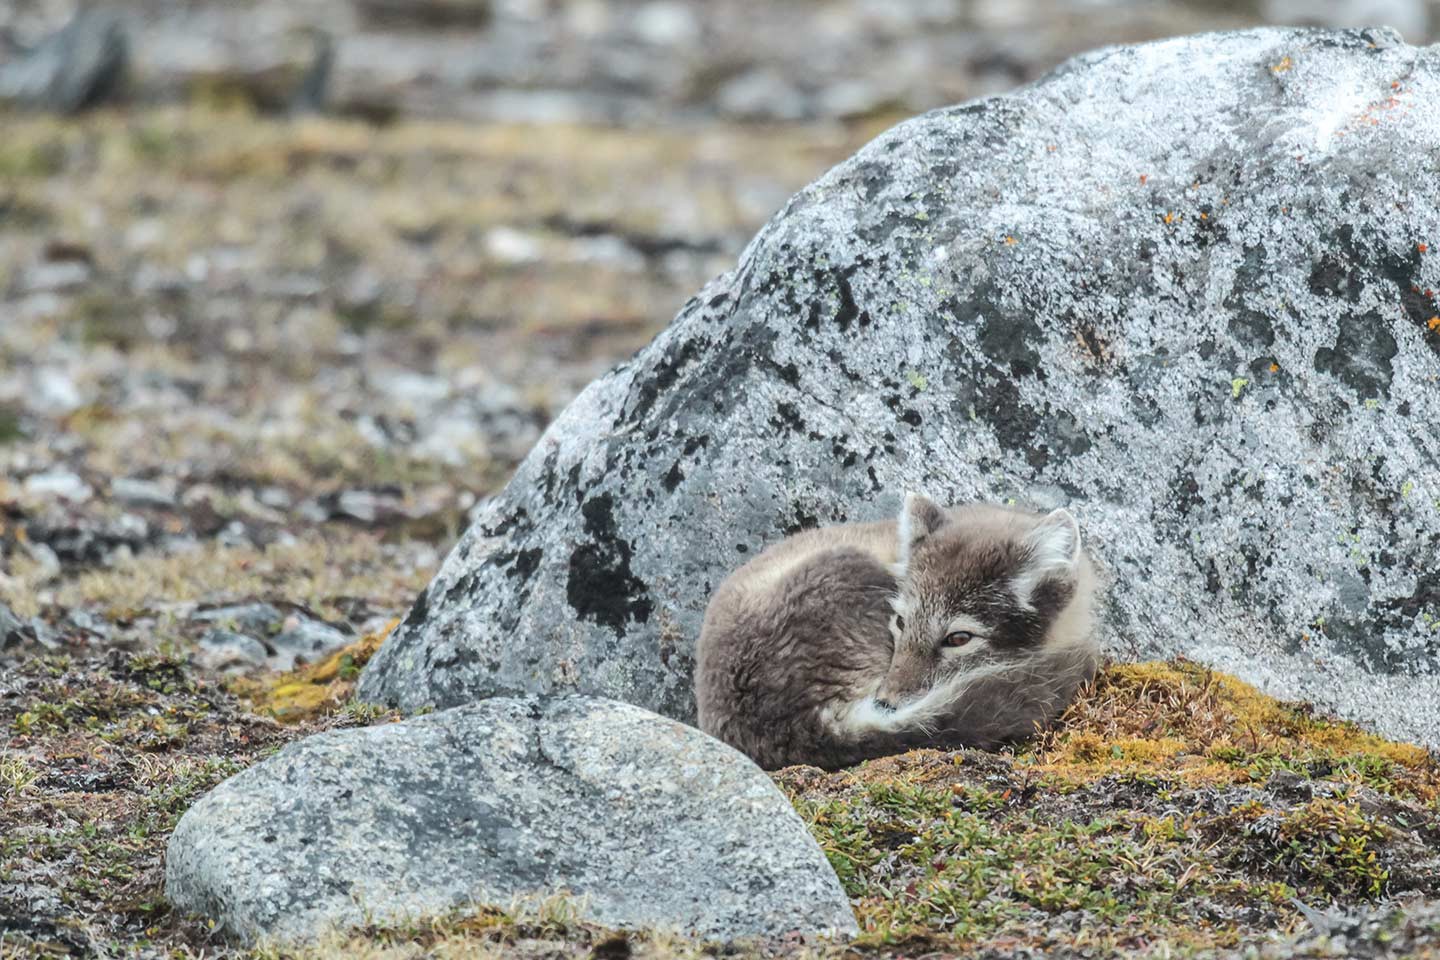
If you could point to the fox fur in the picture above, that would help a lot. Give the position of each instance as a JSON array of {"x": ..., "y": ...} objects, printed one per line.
[{"x": 971, "y": 626}]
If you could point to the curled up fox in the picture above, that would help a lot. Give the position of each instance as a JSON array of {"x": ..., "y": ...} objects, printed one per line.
[{"x": 970, "y": 626}]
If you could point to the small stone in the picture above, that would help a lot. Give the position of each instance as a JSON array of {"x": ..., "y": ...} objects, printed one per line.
[
  {"x": 260, "y": 619},
  {"x": 507, "y": 245},
  {"x": 762, "y": 94},
  {"x": 304, "y": 641},
  {"x": 276, "y": 498},
  {"x": 78, "y": 67},
  {"x": 55, "y": 277},
  {"x": 227, "y": 651},
  {"x": 143, "y": 493},
  {"x": 359, "y": 505},
  {"x": 88, "y": 622},
  {"x": 665, "y": 23},
  {"x": 647, "y": 823},
  {"x": 57, "y": 484},
  {"x": 55, "y": 393}
]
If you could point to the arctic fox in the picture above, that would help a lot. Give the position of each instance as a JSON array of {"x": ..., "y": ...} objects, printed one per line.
[{"x": 963, "y": 627}]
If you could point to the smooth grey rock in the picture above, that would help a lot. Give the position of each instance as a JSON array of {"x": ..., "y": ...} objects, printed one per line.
[
  {"x": 56, "y": 277},
  {"x": 1184, "y": 287},
  {"x": 144, "y": 493},
  {"x": 261, "y": 619},
  {"x": 647, "y": 822},
  {"x": 78, "y": 67},
  {"x": 226, "y": 650},
  {"x": 304, "y": 641},
  {"x": 57, "y": 484}
]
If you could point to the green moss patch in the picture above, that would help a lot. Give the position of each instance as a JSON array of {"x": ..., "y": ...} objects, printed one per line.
[
  {"x": 1174, "y": 805},
  {"x": 315, "y": 690}
]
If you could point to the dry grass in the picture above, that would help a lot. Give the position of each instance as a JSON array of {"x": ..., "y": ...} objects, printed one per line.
[{"x": 316, "y": 571}]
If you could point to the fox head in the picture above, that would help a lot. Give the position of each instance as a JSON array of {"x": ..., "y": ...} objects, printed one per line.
[{"x": 971, "y": 598}]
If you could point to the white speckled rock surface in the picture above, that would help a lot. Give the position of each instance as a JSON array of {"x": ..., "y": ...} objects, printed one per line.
[
  {"x": 1183, "y": 287},
  {"x": 647, "y": 822}
]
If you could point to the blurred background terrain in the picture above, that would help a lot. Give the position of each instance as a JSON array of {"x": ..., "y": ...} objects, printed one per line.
[
  {"x": 288, "y": 286},
  {"x": 285, "y": 287}
]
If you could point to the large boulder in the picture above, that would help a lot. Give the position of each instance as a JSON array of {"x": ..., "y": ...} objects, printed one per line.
[
  {"x": 1187, "y": 288},
  {"x": 646, "y": 822}
]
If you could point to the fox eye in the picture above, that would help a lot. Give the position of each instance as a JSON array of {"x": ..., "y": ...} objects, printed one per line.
[
  {"x": 899, "y": 622},
  {"x": 957, "y": 638}
]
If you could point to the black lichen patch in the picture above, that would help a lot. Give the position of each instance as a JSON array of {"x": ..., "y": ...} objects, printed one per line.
[
  {"x": 651, "y": 387},
  {"x": 520, "y": 563},
  {"x": 1362, "y": 355},
  {"x": 1403, "y": 270},
  {"x": 1008, "y": 340},
  {"x": 420, "y": 611},
  {"x": 851, "y": 312},
  {"x": 673, "y": 477},
  {"x": 1252, "y": 328},
  {"x": 1364, "y": 635},
  {"x": 787, "y": 417},
  {"x": 1333, "y": 277},
  {"x": 601, "y": 586}
]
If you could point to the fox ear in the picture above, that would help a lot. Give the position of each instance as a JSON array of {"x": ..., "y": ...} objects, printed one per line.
[
  {"x": 919, "y": 518},
  {"x": 1053, "y": 551}
]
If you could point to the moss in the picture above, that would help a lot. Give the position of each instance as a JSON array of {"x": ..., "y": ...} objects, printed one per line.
[
  {"x": 1173, "y": 805},
  {"x": 1334, "y": 843},
  {"x": 28, "y": 157},
  {"x": 10, "y": 429},
  {"x": 107, "y": 319},
  {"x": 16, "y": 774},
  {"x": 90, "y": 788},
  {"x": 1201, "y": 727},
  {"x": 317, "y": 689}
]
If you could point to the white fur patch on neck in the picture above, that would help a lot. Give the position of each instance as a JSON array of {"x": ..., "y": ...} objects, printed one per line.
[{"x": 864, "y": 716}]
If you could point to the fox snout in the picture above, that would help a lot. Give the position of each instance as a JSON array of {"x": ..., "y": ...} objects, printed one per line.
[{"x": 906, "y": 681}]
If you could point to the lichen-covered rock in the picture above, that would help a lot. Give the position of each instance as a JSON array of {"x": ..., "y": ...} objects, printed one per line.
[
  {"x": 1187, "y": 288},
  {"x": 647, "y": 822}
]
